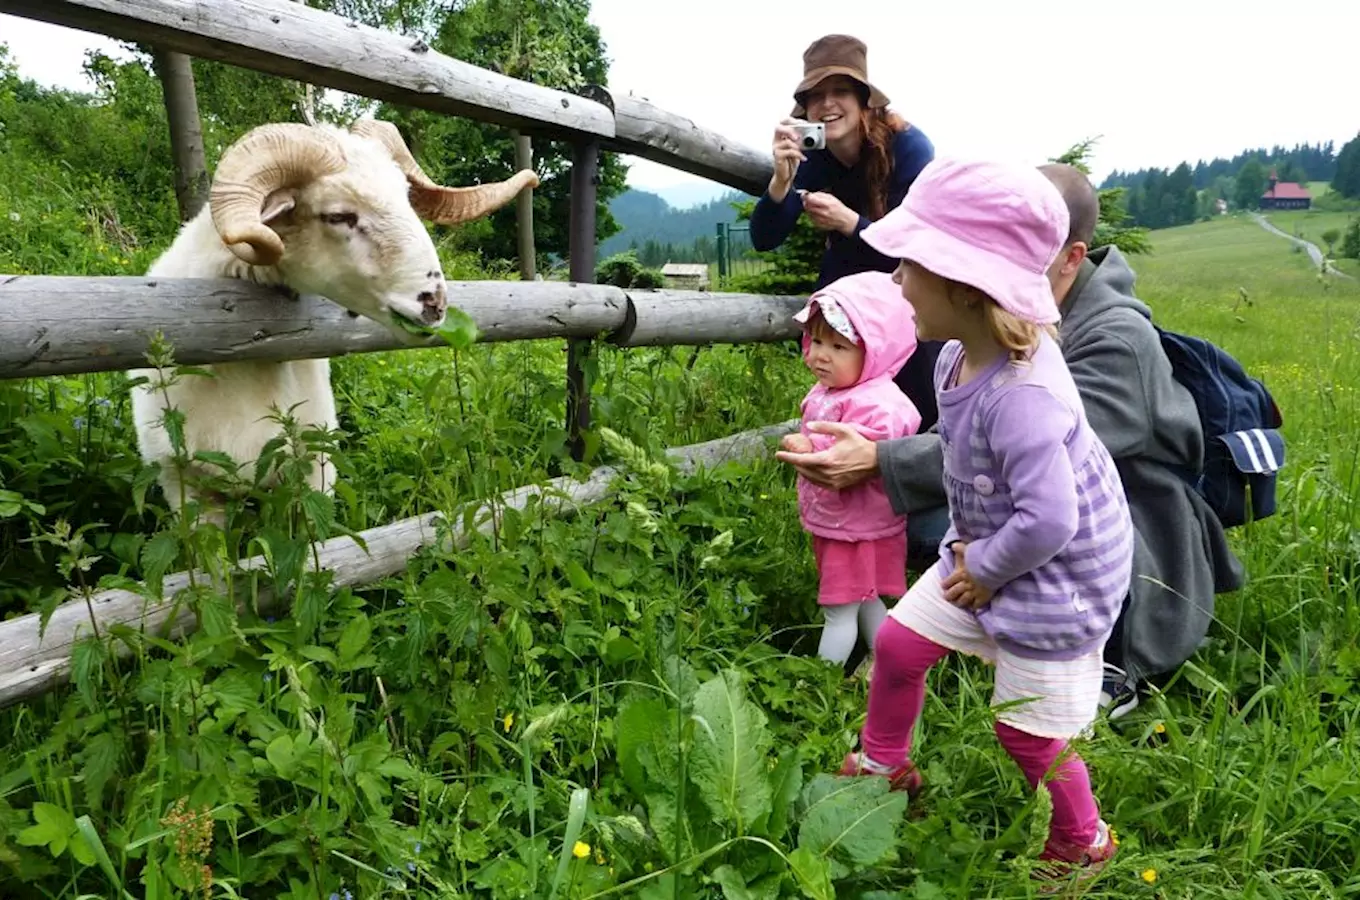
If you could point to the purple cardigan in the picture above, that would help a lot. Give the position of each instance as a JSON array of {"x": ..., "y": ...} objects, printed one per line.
[{"x": 1036, "y": 496}]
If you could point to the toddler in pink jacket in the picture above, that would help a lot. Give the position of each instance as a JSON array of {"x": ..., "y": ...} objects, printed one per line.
[{"x": 858, "y": 331}]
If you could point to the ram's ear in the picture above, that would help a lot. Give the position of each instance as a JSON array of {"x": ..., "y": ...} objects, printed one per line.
[{"x": 278, "y": 204}]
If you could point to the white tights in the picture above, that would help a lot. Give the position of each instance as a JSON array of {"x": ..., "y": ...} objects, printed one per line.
[{"x": 847, "y": 622}]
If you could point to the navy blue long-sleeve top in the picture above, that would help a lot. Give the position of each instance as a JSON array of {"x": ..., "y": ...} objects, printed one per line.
[{"x": 771, "y": 224}]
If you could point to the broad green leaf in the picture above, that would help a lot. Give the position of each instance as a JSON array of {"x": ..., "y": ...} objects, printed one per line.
[
  {"x": 459, "y": 330},
  {"x": 53, "y": 828},
  {"x": 80, "y": 848},
  {"x": 636, "y": 732},
  {"x": 812, "y": 873},
  {"x": 216, "y": 458},
  {"x": 100, "y": 758},
  {"x": 398, "y": 768},
  {"x": 319, "y": 509},
  {"x": 281, "y": 755},
  {"x": 786, "y": 783},
  {"x": 217, "y": 615},
  {"x": 158, "y": 555},
  {"x": 320, "y": 654},
  {"x": 354, "y": 639},
  {"x": 728, "y": 762},
  {"x": 578, "y": 578},
  {"x": 852, "y": 823},
  {"x": 733, "y": 883}
]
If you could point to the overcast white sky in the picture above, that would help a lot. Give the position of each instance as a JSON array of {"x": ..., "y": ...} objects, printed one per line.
[{"x": 1002, "y": 78}]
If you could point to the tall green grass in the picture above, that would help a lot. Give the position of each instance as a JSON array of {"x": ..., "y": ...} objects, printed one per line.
[{"x": 628, "y": 703}]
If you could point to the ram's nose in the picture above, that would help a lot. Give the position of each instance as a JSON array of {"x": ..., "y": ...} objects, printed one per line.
[{"x": 432, "y": 305}]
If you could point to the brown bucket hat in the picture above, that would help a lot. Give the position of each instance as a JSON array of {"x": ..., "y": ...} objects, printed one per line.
[{"x": 836, "y": 54}]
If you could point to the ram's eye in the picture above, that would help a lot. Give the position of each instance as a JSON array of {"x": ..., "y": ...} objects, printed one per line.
[{"x": 341, "y": 218}]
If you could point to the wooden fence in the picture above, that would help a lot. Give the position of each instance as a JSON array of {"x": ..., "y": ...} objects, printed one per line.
[{"x": 56, "y": 325}]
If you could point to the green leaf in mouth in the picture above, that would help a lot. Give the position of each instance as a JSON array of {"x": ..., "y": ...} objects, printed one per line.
[{"x": 458, "y": 331}]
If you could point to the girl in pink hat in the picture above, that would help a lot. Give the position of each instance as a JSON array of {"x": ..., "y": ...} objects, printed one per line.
[
  {"x": 857, "y": 332},
  {"x": 1037, "y": 558}
]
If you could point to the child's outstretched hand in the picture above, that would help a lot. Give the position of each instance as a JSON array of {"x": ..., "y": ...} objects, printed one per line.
[
  {"x": 796, "y": 443},
  {"x": 960, "y": 588}
]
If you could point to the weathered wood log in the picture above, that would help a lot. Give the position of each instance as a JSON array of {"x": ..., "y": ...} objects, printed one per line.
[
  {"x": 31, "y": 664},
  {"x": 646, "y": 130},
  {"x": 52, "y": 325},
  {"x": 658, "y": 318},
  {"x": 59, "y": 325},
  {"x": 295, "y": 41}
]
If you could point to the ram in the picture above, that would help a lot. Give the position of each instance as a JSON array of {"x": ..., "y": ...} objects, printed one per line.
[{"x": 316, "y": 210}]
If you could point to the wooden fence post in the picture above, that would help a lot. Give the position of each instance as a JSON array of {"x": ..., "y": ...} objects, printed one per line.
[
  {"x": 585, "y": 178},
  {"x": 524, "y": 210}
]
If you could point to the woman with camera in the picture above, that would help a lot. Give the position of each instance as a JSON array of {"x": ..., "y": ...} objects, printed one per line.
[{"x": 845, "y": 159}]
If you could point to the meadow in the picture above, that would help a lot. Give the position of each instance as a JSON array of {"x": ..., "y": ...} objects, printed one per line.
[{"x": 627, "y": 702}]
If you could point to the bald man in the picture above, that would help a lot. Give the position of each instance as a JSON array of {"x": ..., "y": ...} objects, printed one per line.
[{"x": 1143, "y": 415}]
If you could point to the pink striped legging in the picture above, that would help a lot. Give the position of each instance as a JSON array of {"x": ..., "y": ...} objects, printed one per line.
[{"x": 897, "y": 694}]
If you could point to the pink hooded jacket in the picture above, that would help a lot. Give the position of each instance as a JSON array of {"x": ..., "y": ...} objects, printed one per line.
[{"x": 874, "y": 405}]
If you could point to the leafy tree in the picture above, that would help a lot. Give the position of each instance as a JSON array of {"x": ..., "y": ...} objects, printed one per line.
[
  {"x": 548, "y": 42},
  {"x": 1347, "y": 180},
  {"x": 1115, "y": 225},
  {"x": 1330, "y": 237},
  {"x": 1251, "y": 184},
  {"x": 1350, "y": 244}
]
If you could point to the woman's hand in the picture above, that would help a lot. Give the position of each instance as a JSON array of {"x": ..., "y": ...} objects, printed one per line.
[
  {"x": 787, "y": 156},
  {"x": 829, "y": 214},
  {"x": 852, "y": 459},
  {"x": 960, "y": 588}
]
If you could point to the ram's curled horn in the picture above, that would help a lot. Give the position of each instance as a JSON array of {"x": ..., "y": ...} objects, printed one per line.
[
  {"x": 434, "y": 202},
  {"x": 264, "y": 160}
]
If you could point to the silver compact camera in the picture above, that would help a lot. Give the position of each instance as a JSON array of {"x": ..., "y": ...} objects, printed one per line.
[{"x": 811, "y": 135}]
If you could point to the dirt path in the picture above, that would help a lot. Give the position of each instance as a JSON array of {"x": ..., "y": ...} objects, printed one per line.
[{"x": 1313, "y": 252}]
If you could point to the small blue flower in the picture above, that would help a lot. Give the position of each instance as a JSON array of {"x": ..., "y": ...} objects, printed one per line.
[
  {"x": 78, "y": 422},
  {"x": 268, "y": 677},
  {"x": 348, "y": 895},
  {"x": 117, "y": 423},
  {"x": 334, "y": 896},
  {"x": 104, "y": 402},
  {"x": 417, "y": 848},
  {"x": 410, "y": 867}
]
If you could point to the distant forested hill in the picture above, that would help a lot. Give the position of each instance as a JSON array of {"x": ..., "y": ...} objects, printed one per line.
[{"x": 659, "y": 233}]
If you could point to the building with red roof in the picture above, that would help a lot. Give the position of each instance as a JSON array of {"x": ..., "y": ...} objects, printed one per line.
[{"x": 1285, "y": 195}]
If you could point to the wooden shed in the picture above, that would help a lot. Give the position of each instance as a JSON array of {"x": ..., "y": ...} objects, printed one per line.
[{"x": 685, "y": 276}]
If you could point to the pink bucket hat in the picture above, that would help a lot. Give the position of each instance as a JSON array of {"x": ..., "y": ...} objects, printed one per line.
[{"x": 994, "y": 226}]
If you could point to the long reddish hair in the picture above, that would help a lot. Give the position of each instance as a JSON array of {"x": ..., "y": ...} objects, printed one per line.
[{"x": 877, "y": 129}]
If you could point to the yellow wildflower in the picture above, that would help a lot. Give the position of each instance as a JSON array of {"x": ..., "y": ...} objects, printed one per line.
[
  {"x": 581, "y": 850},
  {"x": 1150, "y": 876},
  {"x": 1159, "y": 728},
  {"x": 508, "y": 721}
]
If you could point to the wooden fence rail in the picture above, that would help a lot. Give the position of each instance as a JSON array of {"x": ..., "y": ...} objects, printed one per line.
[
  {"x": 57, "y": 325},
  {"x": 33, "y": 661}
]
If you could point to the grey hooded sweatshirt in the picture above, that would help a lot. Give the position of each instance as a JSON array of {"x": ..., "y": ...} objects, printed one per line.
[{"x": 1150, "y": 424}]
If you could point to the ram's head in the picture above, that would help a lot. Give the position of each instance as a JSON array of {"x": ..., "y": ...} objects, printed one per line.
[{"x": 339, "y": 214}]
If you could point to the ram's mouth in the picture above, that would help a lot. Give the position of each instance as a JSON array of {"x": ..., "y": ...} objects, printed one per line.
[
  {"x": 408, "y": 325},
  {"x": 457, "y": 328}
]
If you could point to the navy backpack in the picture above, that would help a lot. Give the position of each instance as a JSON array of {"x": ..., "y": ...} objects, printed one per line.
[{"x": 1243, "y": 447}]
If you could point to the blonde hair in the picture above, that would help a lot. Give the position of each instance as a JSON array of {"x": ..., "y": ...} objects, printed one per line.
[{"x": 1018, "y": 337}]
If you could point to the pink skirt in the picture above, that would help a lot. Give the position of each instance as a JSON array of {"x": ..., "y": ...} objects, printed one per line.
[{"x": 862, "y": 570}]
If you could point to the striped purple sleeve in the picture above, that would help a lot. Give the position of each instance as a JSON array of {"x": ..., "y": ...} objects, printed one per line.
[{"x": 1027, "y": 429}]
